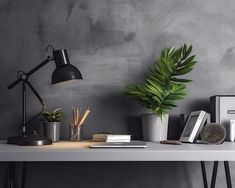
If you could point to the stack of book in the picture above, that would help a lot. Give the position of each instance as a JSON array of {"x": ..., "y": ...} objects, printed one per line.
[{"x": 111, "y": 138}]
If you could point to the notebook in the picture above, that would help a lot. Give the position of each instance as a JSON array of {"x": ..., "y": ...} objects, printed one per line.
[
  {"x": 111, "y": 138},
  {"x": 132, "y": 144}
]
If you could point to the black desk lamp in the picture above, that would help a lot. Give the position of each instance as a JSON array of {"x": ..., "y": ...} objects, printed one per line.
[{"x": 64, "y": 72}]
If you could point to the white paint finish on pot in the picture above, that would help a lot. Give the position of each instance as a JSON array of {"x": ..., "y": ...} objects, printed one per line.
[{"x": 154, "y": 127}]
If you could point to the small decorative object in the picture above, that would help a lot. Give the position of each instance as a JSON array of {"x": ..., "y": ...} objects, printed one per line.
[
  {"x": 213, "y": 133},
  {"x": 193, "y": 126},
  {"x": 78, "y": 120},
  {"x": 52, "y": 127},
  {"x": 162, "y": 88}
]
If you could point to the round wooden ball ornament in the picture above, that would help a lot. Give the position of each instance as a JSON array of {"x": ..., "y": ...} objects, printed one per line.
[{"x": 213, "y": 133}]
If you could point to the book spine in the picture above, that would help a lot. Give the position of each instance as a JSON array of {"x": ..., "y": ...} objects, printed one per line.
[
  {"x": 201, "y": 120},
  {"x": 200, "y": 127},
  {"x": 214, "y": 109}
]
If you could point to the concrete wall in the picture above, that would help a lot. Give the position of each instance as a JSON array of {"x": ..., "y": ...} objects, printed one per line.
[{"x": 113, "y": 43}]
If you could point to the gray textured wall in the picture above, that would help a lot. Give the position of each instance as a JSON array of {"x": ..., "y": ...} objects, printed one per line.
[{"x": 113, "y": 42}]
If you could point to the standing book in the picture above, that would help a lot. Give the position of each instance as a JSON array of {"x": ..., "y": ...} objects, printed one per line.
[{"x": 194, "y": 124}]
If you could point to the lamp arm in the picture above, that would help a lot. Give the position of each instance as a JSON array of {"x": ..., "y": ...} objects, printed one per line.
[
  {"x": 28, "y": 74},
  {"x": 35, "y": 92}
]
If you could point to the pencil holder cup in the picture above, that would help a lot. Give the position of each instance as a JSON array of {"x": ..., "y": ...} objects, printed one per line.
[{"x": 75, "y": 133}]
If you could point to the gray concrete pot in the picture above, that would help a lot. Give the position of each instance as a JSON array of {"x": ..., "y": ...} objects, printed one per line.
[
  {"x": 154, "y": 128},
  {"x": 52, "y": 131}
]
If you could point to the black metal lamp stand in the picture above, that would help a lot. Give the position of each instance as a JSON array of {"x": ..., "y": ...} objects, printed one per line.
[{"x": 24, "y": 138}]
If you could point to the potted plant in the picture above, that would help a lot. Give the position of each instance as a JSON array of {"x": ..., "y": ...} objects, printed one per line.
[
  {"x": 52, "y": 127},
  {"x": 161, "y": 90}
]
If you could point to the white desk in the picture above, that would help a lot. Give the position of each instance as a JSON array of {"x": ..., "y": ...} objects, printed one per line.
[{"x": 79, "y": 151}]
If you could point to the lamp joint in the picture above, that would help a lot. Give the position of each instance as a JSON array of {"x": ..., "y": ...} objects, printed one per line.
[{"x": 22, "y": 75}]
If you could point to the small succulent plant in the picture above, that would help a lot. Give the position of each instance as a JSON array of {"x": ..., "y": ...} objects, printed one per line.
[{"x": 53, "y": 116}]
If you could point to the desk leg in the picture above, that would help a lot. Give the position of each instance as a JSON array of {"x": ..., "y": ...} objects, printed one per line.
[
  {"x": 214, "y": 174},
  {"x": 24, "y": 173},
  {"x": 11, "y": 168},
  {"x": 12, "y": 183},
  {"x": 204, "y": 174},
  {"x": 227, "y": 174}
]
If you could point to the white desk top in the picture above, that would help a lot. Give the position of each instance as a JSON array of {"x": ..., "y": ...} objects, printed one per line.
[{"x": 79, "y": 151}]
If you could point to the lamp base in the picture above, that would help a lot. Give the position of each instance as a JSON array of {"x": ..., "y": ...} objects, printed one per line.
[
  {"x": 31, "y": 140},
  {"x": 13, "y": 140}
]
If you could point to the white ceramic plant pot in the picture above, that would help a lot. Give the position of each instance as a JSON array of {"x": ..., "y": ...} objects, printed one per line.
[{"x": 154, "y": 127}]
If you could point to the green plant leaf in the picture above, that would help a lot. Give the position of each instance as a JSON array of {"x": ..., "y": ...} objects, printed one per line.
[
  {"x": 174, "y": 97},
  {"x": 155, "y": 79},
  {"x": 153, "y": 90},
  {"x": 177, "y": 56},
  {"x": 155, "y": 85},
  {"x": 56, "y": 110},
  {"x": 183, "y": 71},
  {"x": 174, "y": 79},
  {"x": 188, "y": 60},
  {"x": 189, "y": 50},
  {"x": 184, "y": 51}
]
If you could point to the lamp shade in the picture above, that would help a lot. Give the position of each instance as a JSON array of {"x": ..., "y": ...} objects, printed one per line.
[{"x": 64, "y": 70}]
